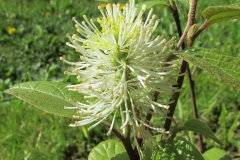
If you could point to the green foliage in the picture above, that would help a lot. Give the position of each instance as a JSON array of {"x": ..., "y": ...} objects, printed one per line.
[
  {"x": 216, "y": 14},
  {"x": 199, "y": 126},
  {"x": 230, "y": 133},
  {"x": 147, "y": 153},
  {"x": 177, "y": 149},
  {"x": 216, "y": 154},
  {"x": 212, "y": 96},
  {"x": 228, "y": 126},
  {"x": 28, "y": 133},
  {"x": 50, "y": 97},
  {"x": 109, "y": 150},
  {"x": 183, "y": 7},
  {"x": 216, "y": 63},
  {"x": 32, "y": 51},
  {"x": 150, "y": 4}
]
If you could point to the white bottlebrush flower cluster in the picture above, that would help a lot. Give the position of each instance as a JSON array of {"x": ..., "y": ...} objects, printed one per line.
[{"x": 121, "y": 66}]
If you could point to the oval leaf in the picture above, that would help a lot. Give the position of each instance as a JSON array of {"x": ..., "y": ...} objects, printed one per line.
[
  {"x": 109, "y": 150},
  {"x": 199, "y": 126},
  {"x": 50, "y": 97},
  {"x": 216, "y": 63},
  {"x": 177, "y": 149},
  {"x": 216, "y": 154},
  {"x": 215, "y": 14}
]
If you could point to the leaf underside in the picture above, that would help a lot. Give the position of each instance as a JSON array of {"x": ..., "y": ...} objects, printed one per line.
[
  {"x": 50, "y": 97},
  {"x": 215, "y": 14},
  {"x": 216, "y": 63}
]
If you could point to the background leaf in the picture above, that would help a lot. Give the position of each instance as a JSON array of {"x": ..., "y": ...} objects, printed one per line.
[
  {"x": 109, "y": 150},
  {"x": 215, "y": 14},
  {"x": 150, "y": 4},
  {"x": 216, "y": 63},
  {"x": 177, "y": 149},
  {"x": 235, "y": 124},
  {"x": 182, "y": 7},
  {"x": 50, "y": 97},
  {"x": 216, "y": 154},
  {"x": 199, "y": 126},
  {"x": 147, "y": 153}
]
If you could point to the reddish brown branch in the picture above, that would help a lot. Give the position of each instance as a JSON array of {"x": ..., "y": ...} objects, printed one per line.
[{"x": 183, "y": 67}]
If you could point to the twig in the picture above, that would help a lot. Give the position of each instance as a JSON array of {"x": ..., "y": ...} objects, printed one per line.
[
  {"x": 192, "y": 93},
  {"x": 155, "y": 96},
  {"x": 175, "y": 97},
  {"x": 194, "y": 106},
  {"x": 194, "y": 71},
  {"x": 177, "y": 22},
  {"x": 126, "y": 142},
  {"x": 186, "y": 66},
  {"x": 197, "y": 33},
  {"x": 183, "y": 67},
  {"x": 147, "y": 120}
]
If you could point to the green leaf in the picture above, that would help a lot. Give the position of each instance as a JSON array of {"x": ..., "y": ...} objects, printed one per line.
[
  {"x": 150, "y": 4},
  {"x": 147, "y": 153},
  {"x": 235, "y": 124},
  {"x": 199, "y": 126},
  {"x": 109, "y": 150},
  {"x": 215, "y": 14},
  {"x": 182, "y": 7},
  {"x": 216, "y": 154},
  {"x": 50, "y": 97},
  {"x": 216, "y": 63},
  {"x": 177, "y": 149}
]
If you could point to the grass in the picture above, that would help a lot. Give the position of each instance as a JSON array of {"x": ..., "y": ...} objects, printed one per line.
[
  {"x": 27, "y": 132},
  {"x": 32, "y": 52}
]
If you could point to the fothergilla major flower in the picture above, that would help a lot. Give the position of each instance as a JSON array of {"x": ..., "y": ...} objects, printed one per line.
[{"x": 122, "y": 64}]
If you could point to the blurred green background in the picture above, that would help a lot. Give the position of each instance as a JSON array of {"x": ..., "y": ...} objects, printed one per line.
[{"x": 33, "y": 37}]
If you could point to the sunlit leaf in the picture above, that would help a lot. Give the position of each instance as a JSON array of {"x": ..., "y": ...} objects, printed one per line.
[
  {"x": 216, "y": 63},
  {"x": 108, "y": 150},
  {"x": 177, "y": 149},
  {"x": 199, "y": 126},
  {"x": 216, "y": 154},
  {"x": 50, "y": 97},
  {"x": 215, "y": 14}
]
